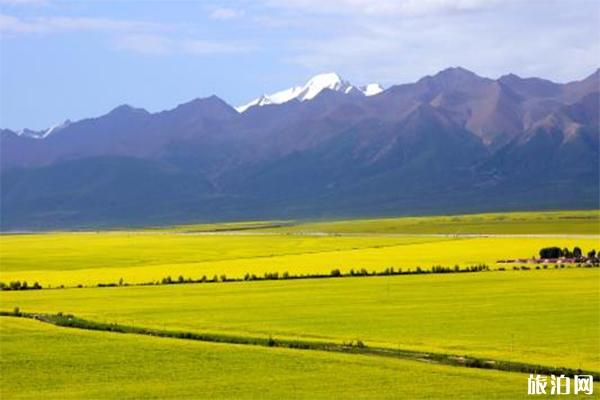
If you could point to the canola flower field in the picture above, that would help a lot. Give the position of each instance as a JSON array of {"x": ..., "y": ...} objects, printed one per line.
[{"x": 548, "y": 316}]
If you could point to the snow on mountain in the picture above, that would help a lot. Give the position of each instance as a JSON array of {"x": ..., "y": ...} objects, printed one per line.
[
  {"x": 57, "y": 128},
  {"x": 324, "y": 81},
  {"x": 311, "y": 89},
  {"x": 30, "y": 133},
  {"x": 43, "y": 133},
  {"x": 371, "y": 89}
]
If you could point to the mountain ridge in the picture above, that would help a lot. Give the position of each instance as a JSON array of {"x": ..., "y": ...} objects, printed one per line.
[
  {"x": 312, "y": 88},
  {"x": 509, "y": 78},
  {"x": 450, "y": 142}
]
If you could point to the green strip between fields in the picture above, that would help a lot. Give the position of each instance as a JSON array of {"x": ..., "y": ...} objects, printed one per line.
[{"x": 358, "y": 347}]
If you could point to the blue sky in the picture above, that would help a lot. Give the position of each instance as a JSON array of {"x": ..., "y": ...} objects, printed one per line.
[{"x": 77, "y": 59}]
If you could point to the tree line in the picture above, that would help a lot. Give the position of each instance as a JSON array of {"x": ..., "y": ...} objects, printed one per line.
[
  {"x": 268, "y": 276},
  {"x": 557, "y": 252}
]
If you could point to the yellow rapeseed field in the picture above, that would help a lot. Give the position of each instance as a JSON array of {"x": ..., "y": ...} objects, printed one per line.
[{"x": 88, "y": 259}]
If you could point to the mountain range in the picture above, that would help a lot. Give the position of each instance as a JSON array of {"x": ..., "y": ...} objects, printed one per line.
[{"x": 451, "y": 142}]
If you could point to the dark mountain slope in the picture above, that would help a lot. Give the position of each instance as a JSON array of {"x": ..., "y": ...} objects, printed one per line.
[
  {"x": 451, "y": 142},
  {"x": 100, "y": 191}
]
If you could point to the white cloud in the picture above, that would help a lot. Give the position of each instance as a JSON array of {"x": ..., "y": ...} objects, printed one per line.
[
  {"x": 13, "y": 25},
  {"x": 226, "y": 13},
  {"x": 400, "y": 41},
  {"x": 140, "y": 37},
  {"x": 156, "y": 45},
  {"x": 196, "y": 46},
  {"x": 144, "y": 44},
  {"x": 381, "y": 7},
  {"x": 24, "y": 2},
  {"x": 10, "y": 24}
]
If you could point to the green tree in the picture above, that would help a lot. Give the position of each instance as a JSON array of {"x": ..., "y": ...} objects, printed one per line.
[{"x": 551, "y": 252}]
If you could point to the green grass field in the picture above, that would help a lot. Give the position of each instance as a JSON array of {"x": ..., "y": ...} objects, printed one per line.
[
  {"x": 557, "y": 222},
  {"x": 40, "y": 361},
  {"x": 548, "y": 316},
  {"x": 547, "y": 222}
]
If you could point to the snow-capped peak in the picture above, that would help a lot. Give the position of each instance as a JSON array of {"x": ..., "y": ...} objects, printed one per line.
[
  {"x": 320, "y": 82},
  {"x": 371, "y": 89},
  {"x": 311, "y": 89},
  {"x": 29, "y": 133},
  {"x": 43, "y": 133},
  {"x": 56, "y": 128}
]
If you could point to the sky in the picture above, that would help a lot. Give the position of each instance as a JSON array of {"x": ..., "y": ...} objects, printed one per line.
[{"x": 77, "y": 59}]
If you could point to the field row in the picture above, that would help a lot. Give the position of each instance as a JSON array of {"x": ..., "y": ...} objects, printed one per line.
[
  {"x": 350, "y": 347},
  {"x": 547, "y": 317},
  {"x": 89, "y": 259},
  {"x": 546, "y": 222},
  {"x": 69, "y": 364}
]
